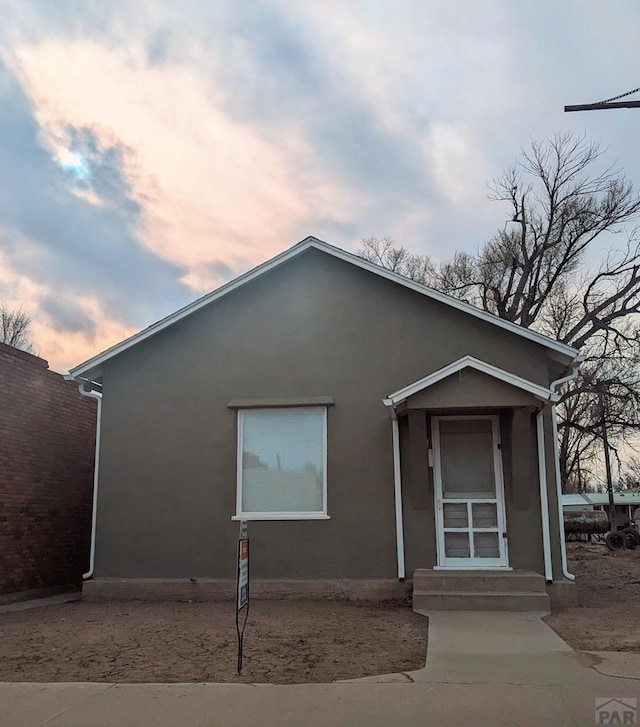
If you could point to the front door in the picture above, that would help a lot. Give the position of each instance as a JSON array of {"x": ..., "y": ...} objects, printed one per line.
[{"x": 469, "y": 492}]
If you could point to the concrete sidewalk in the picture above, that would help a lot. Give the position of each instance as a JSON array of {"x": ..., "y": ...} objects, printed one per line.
[
  {"x": 482, "y": 669},
  {"x": 317, "y": 705}
]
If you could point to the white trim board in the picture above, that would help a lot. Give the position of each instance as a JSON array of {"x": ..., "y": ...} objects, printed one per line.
[
  {"x": 538, "y": 391},
  {"x": 278, "y": 514},
  {"x": 440, "y": 500},
  {"x": 92, "y": 365}
]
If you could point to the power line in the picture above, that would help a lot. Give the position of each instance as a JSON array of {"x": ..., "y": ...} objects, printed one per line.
[
  {"x": 608, "y": 103},
  {"x": 622, "y": 95}
]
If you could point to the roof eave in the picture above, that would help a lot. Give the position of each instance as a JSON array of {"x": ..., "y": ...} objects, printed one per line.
[
  {"x": 93, "y": 366},
  {"x": 540, "y": 392}
]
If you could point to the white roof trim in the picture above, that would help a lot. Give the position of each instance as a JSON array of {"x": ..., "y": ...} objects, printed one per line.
[
  {"x": 573, "y": 499},
  {"x": 470, "y": 362},
  {"x": 93, "y": 364}
]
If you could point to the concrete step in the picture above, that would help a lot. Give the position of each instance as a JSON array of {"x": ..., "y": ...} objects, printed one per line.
[
  {"x": 478, "y": 581},
  {"x": 480, "y": 601}
]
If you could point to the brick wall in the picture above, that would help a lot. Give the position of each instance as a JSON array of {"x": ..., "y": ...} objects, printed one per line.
[{"x": 47, "y": 439}]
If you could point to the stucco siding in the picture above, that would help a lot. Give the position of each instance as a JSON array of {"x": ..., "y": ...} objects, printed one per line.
[
  {"x": 316, "y": 326},
  {"x": 470, "y": 388}
]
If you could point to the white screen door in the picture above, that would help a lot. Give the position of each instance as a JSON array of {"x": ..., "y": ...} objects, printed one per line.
[{"x": 469, "y": 493}]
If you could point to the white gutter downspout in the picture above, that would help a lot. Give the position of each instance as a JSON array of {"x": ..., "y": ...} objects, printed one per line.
[
  {"x": 397, "y": 486},
  {"x": 544, "y": 499},
  {"x": 94, "y": 509},
  {"x": 554, "y": 428}
]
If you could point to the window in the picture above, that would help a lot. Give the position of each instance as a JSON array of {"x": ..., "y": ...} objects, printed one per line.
[{"x": 282, "y": 464}]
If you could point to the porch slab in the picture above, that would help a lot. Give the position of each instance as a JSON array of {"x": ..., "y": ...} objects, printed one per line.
[
  {"x": 473, "y": 601},
  {"x": 479, "y": 591}
]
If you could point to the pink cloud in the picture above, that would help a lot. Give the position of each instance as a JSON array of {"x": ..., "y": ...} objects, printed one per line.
[{"x": 211, "y": 188}]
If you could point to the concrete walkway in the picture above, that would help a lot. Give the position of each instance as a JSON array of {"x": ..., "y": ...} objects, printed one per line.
[
  {"x": 498, "y": 648},
  {"x": 482, "y": 669}
]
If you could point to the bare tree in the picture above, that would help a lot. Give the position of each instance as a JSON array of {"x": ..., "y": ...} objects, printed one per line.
[
  {"x": 561, "y": 207},
  {"x": 629, "y": 478},
  {"x": 385, "y": 252},
  {"x": 15, "y": 328},
  {"x": 537, "y": 272}
]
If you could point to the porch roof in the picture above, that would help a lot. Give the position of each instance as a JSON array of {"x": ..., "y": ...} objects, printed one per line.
[{"x": 540, "y": 392}]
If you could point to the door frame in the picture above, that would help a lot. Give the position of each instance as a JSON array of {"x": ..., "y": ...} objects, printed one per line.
[{"x": 470, "y": 564}]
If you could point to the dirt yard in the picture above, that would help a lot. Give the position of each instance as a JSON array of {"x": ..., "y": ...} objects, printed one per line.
[
  {"x": 608, "y": 617},
  {"x": 285, "y": 642}
]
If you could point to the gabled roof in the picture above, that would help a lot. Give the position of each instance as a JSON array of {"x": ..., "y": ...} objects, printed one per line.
[
  {"x": 576, "y": 500},
  {"x": 91, "y": 367},
  {"x": 541, "y": 392},
  {"x": 624, "y": 497}
]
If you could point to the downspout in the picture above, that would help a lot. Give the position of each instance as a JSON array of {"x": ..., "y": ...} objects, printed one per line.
[
  {"x": 554, "y": 428},
  {"x": 397, "y": 487},
  {"x": 94, "y": 508},
  {"x": 544, "y": 498}
]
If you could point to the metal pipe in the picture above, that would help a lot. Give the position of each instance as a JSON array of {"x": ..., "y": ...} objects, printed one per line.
[
  {"x": 554, "y": 428},
  {"x": 94, "y": 507},
  {"x": 397, "y": 487},
  {"x": 544, "y": 497}
]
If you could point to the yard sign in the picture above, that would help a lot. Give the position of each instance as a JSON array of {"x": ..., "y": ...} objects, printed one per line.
[
  {"x": 242, "y": 587},
  {"x": 243, "y": 573}
]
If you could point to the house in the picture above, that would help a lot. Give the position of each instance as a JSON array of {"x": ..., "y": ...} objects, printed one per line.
[
  {"x": 47, "y": 432},
  {"x": 576, "y": 501},
  {"x": 369, "y": 429},
  {"x": 626, "y": 502}
]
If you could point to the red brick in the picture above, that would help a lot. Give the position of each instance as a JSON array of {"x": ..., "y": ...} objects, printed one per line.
[{"x": 47, "y": 432}]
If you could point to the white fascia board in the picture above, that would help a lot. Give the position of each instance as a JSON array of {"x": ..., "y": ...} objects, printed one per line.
[
  {"x": 93, "y": 364},
  {"x": 538, "y": 391}
]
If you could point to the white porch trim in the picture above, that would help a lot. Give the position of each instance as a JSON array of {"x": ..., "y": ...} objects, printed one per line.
[
  {"x": 544, "y": 497},
  {"x": 545, "y": 395},
  {"x": 540, "y": 392},
  {"x": 397, "y": 490}
]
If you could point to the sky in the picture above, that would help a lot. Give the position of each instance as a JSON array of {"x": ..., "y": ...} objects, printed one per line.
[{"x": 151, "y": 151}]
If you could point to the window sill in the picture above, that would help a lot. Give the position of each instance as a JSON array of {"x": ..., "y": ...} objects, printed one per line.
[
  {"x": 281, "y": 403},
  {"x": 480, "y": 566},
  {"x": 282, "y": 516}
]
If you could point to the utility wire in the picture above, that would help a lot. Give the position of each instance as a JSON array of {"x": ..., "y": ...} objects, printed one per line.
[{"x": 615, "y": 98}]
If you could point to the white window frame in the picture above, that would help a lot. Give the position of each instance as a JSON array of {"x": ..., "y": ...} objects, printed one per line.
[{"x": 313, "y": 515}]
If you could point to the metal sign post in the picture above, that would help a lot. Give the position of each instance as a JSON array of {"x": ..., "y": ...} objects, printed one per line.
[{"x": 242, "y": 588}]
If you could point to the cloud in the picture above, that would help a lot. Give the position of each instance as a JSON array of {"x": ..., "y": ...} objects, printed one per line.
[
  {"x": 209, "y": 188},
  {"x": 152, "y": 150},
  {"x": 59, "y": 241},
  {"x": 84, "y": 246},
  {"x": 63, "y": 322}
]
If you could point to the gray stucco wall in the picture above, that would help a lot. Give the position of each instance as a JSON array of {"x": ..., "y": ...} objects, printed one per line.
[
  {"x": 470, "y": 388},
  {"x": 316, "y": 326}
]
